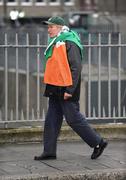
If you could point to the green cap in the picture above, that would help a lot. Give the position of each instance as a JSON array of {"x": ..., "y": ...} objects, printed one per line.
[{"x": 55, "y": 20}]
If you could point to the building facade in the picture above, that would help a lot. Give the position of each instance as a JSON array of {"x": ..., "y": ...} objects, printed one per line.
[
  {"x": 40, "y": 8},
  {"x": 14, "y": 9}
]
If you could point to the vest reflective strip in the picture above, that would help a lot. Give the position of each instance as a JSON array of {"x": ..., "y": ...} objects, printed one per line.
[{"x": 57, "y": 70}]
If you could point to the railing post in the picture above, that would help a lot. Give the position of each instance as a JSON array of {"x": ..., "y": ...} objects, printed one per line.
[
  {"x": 119, "y": 76},
  {"x": 27, "y": 77},
  {"x": 17, "y": 81},
  {"x": 6, "y": 79},
  {"x": 109, "y": 76},
  {"x": 89, "y": 76},
  {"x": 99, "y": 75},
  {"x": 38, "y": 78}
]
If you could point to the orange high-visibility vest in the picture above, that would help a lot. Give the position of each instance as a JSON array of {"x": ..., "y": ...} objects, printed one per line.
[{"x": 57, "y": 71}]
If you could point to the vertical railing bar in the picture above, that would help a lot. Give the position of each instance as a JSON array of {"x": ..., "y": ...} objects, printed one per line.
[
  {"x": 119, "y": 76},
  {"x": 6, "y": 79},
  {"x": 38, "y": 78},
  {"x": 109, "y": 76},
  {"x": 17, "y": 80},
  {"x": 0, "y": 115},
  {"x": 89, "y": 76},
  {"x": 99, "y": 75},
  {"x": 27, "y": 77}
]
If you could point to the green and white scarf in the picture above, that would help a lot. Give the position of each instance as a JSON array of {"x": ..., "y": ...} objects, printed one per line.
[{"x": 68, "y": 35}]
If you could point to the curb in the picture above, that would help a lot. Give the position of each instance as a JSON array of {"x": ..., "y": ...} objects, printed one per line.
[
  {"x": 35, "y": 134},
  {"x": 115, "y": 174}
]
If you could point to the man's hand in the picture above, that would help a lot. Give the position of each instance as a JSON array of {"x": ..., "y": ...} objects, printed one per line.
[{"x": 67, "y": 96}]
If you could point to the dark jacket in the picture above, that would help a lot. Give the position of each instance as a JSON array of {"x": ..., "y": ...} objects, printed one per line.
[{"x": 75, "y": 59}]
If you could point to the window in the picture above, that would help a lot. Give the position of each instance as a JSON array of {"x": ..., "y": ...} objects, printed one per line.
[
  {"x": 26, "y": 2},
  {"x": 69, "y": 2},
  {"x": 40, "y": 2},
  {"x": 54, "y": 2},
  {"x": 11, "y": 2}
]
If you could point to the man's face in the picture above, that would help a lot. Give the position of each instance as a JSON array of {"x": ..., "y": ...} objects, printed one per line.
[{"x": 53, "y": 30}]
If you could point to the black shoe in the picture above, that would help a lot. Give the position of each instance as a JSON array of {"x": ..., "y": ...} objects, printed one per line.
[
  {"x": 98, "y": 150},
  {"x": 44, "y": 157}
]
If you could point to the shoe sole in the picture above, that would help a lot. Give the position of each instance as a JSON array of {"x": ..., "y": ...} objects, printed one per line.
[
  {"x": 46, "y": 158},
  {"x": 103, "y": 147}
]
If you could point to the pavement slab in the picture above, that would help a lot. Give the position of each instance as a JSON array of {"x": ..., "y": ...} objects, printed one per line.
[{"x": 73, "y": 162}]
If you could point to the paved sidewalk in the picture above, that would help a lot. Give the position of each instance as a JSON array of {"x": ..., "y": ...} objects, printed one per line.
[{"x": 73, "y": 162}]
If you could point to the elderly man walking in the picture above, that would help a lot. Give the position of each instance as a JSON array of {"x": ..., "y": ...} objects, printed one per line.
[{"x": 62, "y": 76}]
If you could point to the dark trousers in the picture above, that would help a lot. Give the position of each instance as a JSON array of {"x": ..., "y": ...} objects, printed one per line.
[{"x": 70, "y": 110}]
